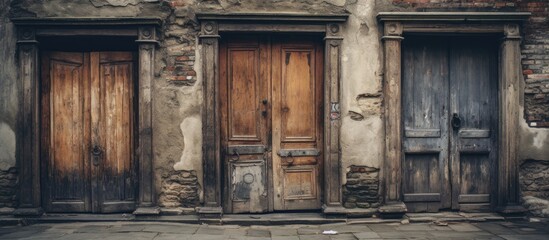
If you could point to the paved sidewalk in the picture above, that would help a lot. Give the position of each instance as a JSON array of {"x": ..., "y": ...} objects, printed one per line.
[{"x": 174, "y": 231}]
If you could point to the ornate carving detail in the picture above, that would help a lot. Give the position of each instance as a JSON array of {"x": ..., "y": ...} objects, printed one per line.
[
  {"x": 26, "y": 34},
  {"x": 146, "y": 33},
  {"x": 511, "y": 30},
  {"x": 209, "y": 28},
  {"x": 393, "y": 28},
  {"x": 334, "y": 28}
]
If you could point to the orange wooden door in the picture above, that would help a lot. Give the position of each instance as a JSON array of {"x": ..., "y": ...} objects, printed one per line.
[
  {"x": 270, "y": 105},
  {"x": 87, "y": 119}
]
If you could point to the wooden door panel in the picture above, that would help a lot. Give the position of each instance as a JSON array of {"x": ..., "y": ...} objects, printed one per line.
[
  {"x": 244, "y": 106},
  {"x": 297, "y": 132},
  {"x": 244, "y": 95},
  {"x": 249, "y": 186},
  {"x": 426, "y": 186},
  {"x": 473, "y": 74},
  {"x": 86, "y": 103},
  {"x": 65, "y": 115},
  {"x": 422, "y": 182},
  {"x": 116, "y": 168},
  {"x": 298, "y": 109}
]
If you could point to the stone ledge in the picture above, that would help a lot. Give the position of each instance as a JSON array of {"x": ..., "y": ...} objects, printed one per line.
[
  {"x": 28, "y": 212},
  {"x": 147, "y": 211},
  {"x": 393, "y": 210}
]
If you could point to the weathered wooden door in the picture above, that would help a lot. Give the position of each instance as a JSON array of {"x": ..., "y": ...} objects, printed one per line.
[
  {"x": 87, "y": 129},
  {"x": 271, "y": 96},
  {"x": 450, "y": 123}
]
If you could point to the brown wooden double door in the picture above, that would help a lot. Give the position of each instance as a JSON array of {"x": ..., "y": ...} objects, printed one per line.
[
  {"x": 87, "y": 132},
  {"x": 450, "y": 123},
  {"x": 271, "y": 106}
]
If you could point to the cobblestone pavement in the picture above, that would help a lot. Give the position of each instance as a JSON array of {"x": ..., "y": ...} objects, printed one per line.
[{"x": 169, "y": 231}]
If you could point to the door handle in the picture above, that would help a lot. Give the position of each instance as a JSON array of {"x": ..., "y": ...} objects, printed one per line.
[
  {"x": 264, "y": 112},
  {"x": 235, "y": 156},
  {"x": 456, "y": 121},
  {"x": 96, "y": 153}
]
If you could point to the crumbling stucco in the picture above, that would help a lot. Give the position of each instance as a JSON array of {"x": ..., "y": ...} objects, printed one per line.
[
  {"x": 9, "y": 101},
  {"x": 7, "y": 147},
  {"x": 362, "y": 125}
]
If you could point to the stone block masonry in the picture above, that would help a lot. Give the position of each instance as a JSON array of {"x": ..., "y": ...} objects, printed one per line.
[
  {"x": 534, "y": 178},
  {"x": 8, "y": 184},
  {"x": 362, "y": 187},
  {"x": 179, "y": 189},
  {"x": 534, "y": 184},
  {"x": 535, "y": 63}
]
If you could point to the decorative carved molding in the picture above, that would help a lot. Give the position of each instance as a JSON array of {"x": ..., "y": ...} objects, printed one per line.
[
  {"x": 511, "y": 32},
  {"x": 209, "y": 29}
]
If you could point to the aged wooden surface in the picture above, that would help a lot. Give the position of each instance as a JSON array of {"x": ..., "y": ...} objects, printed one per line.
[
  {"x": 393, "y": 129},
  {"x": 28, "y": 125},
  {"x": 144, "y": 131},
  {"x": 244, "y": 92},
  {"x": 271, "y": 98},
  {"x": 211, "y": 128},
  {"x": 332, "y": 120},
  {"x": 87, "y": 126},
  {"x": 508, "y": 95},
  {"x": 449, "y": 93},
  {"x": 297, "y": 123}
]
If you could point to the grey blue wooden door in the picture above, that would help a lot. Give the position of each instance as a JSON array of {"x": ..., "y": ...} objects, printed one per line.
[{"x": 449, "y": 118}]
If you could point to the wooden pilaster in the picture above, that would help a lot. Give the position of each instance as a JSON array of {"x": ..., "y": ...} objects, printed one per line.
[
  {"x": 147, "y": 43},
  {"x": 332, "y": 121},
  {"x": 209, "y": 38},
  {"x": 28, "y": 124},
  {"x": 508, "y": 201},
  {"x": 393, "y": 133}
]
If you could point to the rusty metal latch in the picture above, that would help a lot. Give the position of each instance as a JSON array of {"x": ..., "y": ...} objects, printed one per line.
[
  {"x": 298, "y": 152},
  {"x": 96, "y": 153}
]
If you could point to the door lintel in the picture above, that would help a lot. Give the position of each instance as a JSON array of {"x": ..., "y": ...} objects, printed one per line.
[
  {"x": 212, "y": 24},
  {"x": 394, "y": 25}
]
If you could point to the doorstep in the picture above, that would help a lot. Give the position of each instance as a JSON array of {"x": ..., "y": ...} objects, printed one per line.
[{"x": 310, "y": 218}]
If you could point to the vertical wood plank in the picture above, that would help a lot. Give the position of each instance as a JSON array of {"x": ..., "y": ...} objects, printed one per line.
[
  {"x": 147, "y": 43},
  {"x": 332, "y": 119},
  {"x": 508, "y": 199},
  {"x": 209, "y": 39},
  {"x": 393, "y": 130},
  {"x": 28, "y": 141}
]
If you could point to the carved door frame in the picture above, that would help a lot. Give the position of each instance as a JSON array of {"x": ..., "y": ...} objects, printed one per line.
[
  {"x": 506, "y": 25},
  {"x": 143, "y": 30},
  {"x": 211, "y": 26}
]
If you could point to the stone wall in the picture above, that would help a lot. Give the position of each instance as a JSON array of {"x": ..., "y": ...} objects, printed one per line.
[
  {"x": 8, "y": 184},
  {"x": 179, "y": 189},
  {"x": 362, "y": 187},
  {"x": 534, "y": 185},
  {"x": 535, "y": 64}
]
